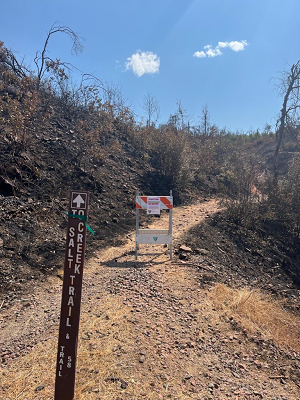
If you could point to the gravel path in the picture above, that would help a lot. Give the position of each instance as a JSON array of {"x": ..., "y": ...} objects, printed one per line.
[{"x": 164, "y": 337}]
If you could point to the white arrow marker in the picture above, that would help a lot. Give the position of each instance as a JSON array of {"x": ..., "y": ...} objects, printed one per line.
[{"x": 78, "y": 201}]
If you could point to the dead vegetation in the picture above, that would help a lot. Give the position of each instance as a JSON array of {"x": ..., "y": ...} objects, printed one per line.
[{"x": 260, "y": 313}]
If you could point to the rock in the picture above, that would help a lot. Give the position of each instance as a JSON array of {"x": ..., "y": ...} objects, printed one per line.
[
  {"x": 86, "y": 336},
  {"x": 124, "y": 385},
  {"x": 203, "y": 252},
  {"x": 39, "y": 388},
  {"x": 185, "y": 248},
  {"x": 183, "y": 256}
]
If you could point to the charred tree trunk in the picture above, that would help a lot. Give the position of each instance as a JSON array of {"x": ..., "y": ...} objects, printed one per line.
[{"x": 290, "y": 87}]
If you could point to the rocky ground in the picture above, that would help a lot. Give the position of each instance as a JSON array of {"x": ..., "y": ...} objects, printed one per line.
[{"x": 149, "y": 328}]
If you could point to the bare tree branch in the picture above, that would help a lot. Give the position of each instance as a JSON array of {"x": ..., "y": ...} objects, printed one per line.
[
  {"x": 41, "y": 57},
  {"x": 290, "y": 83},
  {"x": 151, "y": 108},
  {"x": 8, "y": 59}
]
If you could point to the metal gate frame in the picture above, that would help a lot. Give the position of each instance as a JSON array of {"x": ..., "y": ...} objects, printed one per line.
[{"x": 153, "y": 236}]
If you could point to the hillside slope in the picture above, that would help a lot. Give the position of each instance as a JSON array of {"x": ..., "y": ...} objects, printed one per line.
[{"x": 34, "y": 191}]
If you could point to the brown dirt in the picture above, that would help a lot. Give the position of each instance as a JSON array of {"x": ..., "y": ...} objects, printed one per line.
[{"x": 149, "y": 330}]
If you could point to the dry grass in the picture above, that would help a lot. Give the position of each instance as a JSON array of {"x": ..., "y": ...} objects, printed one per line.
[
  {"x": 261, "y": 313},
  {"x": 110, "y": 345},
  {"x": 109, "y": 348},
  {"x": 103, "y": 329}
]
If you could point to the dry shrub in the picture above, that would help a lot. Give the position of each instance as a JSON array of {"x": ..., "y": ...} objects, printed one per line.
[
  {"x": 291, "y": 195},
  {"x": 238, "y": 181},
  {"x": 259, "y": 312},
  {"x": 170, "y": 155}
]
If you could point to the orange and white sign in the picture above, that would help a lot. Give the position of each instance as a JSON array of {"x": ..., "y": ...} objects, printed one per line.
[{"x": 166, "y": 202}]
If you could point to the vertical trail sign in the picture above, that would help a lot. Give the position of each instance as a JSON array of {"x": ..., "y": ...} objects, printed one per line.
[{"x": 71, "y": 296}]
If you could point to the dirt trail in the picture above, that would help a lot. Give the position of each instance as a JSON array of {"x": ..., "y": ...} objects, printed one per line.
[{"x": 148, "y": 331}]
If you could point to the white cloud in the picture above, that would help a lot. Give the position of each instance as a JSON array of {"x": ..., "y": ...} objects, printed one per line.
[
  {"x": 213, "y": 52},
  {"x": 234, "y": 45},
  {"x": 238, "y": 46},
  {"x": 143, "y": 63},
  {"x": 222, "y": 44},
  {"x": 210, "y": 52},
  {"x": 199, "y": 54}
]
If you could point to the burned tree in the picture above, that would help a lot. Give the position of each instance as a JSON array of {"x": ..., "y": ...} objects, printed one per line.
[
  {"x": 151, "y": 108},
  {"x": 289, "y": 86},
  {"x": 42, "y": 61}
]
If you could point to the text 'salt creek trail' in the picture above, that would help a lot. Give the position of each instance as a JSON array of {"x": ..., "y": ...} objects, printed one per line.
[{"x": 149, "y": 329}]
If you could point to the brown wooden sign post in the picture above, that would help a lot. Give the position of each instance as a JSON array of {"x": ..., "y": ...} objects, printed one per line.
[{"x": 71, "y": 296}]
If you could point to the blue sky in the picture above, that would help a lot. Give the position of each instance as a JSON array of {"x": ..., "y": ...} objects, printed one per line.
[{"x": 223, "y": 53}]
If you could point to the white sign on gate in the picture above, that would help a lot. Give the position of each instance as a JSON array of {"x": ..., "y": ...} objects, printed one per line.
[{"x": 153, "y": 205}]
